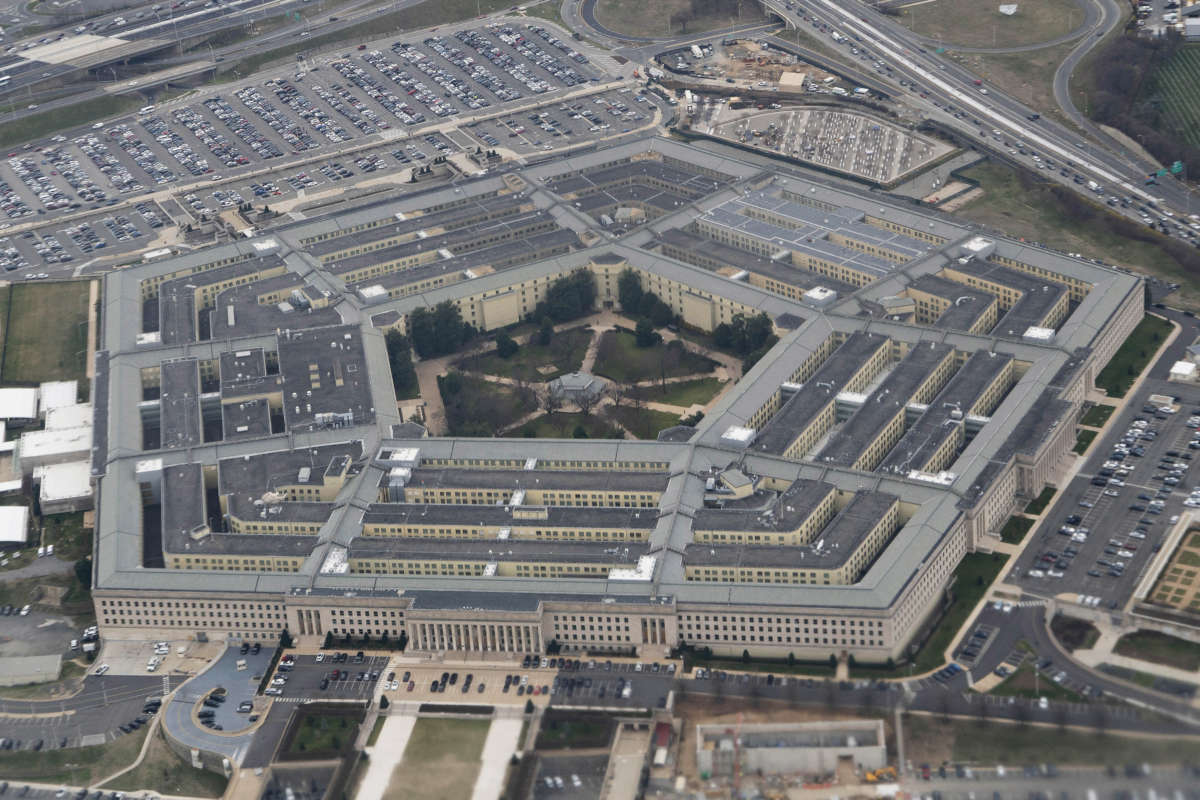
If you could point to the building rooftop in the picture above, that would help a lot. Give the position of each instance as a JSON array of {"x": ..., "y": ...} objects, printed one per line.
[
  {"x": 818, "y": 391},
  {"x": 179, "y": 399},
  {"x": 892, "y": 397}
]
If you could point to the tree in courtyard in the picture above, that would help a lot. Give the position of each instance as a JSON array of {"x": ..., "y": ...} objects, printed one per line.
[
  {"x": 645, "y": 334},
  {"x": 383, "y": 702},
  {"x": 580, "y": 432},
  {"x": 545, "y": 331},
  {"x": 506, "y": 346},
  {"x": 285, "y": 639},
  {"x": 629, "y": 291},
  {"x": 83, "y": 572},
  {"x": 745, "y": 656},
  {"x": 404, "y": 374},
  {"x": 549, "y": 400},
  {"x": 328, "y": 640}
]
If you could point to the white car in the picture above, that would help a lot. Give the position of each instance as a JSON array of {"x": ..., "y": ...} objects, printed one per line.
[
  {"x": 100, "y": 670},
  {"x": 1036, "y": 573},
  {"x": 273, "y": 691},
  {"x": 1008, "y": 607},
  {"x": 25, "y": 610}
]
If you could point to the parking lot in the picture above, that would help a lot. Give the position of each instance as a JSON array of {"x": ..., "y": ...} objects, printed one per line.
[
  {"x": 582, "y": 119},
  {"x": 576, "y": 777},
  {"x": 309, "y": 679},
  {"x": 842, "y": 140},
  {"x": 1114, "y": 515}
]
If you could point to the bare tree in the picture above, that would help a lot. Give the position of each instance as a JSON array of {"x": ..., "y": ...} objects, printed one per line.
[
  {"x": 617, "y": 392},
  {"x": 549, "y": 400},
  {"x": 586, "y": 401}
]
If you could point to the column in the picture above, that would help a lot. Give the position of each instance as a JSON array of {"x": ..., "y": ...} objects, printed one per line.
[{"x": 317, "y": 619}]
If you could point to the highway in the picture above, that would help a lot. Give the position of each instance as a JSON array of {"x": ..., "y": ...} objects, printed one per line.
[{"x": 951, "y": 84}]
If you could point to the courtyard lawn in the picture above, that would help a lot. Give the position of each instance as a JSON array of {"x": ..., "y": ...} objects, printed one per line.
[
  {"x": 477, "y": 407},
  {"x": 1073, "y": 633},
  {"x": 1083, "y": 440},
  {"x": 644, "y": 423},
  {"x": 1015, "y": 529},
  {"x": 441, "y": 760},
  {"x": 1039, "y": 503},
  {"x": 564, "y": 353},
  {"x": 564, "y": 426},
  {"x": 683, "y": 393},
  {"x": 621, "y": 360},
  {"x": 1097, "y": 415}
]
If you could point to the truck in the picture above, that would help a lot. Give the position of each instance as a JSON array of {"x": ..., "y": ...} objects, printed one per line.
[
  {"x": 861, "y": 91},
  {"x": 697, "y": 52},
  {"x": 837, "y": 37}
]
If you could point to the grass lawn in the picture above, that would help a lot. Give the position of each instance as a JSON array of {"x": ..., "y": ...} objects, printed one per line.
[
  {"x": 929, "y": 739},
  {"x": 66, "y": 532},
  {"x": 1160, "y": 649},
  {"x": 440, "y": 760},
  {"x": 1039, "y": 503},
  {"x": 163, "y": 772},
  {"x": 322, "y": 733},
  {"x": 683, "y": 393},
  {"x": 644, "y": 423},
  {"x": 621, "y": 360},
  {"x": 45, "y": 123},
  {"x": 482, "y": 408},
  {"x": 378, "y": 729},
  {"x": 1133, "y": 356},
  {"x": 1023, "y": 683},
  {"x": 1175, "y": 82},
  {"x": 1083, "y": 440},
  {"x": 561, "y": 731},
  {"x": 1026, "y": 75},
  {"x": 35, "y": 351},
  {"x": 810, "y": 668},
  {"x": 562, "y": 426},
  {"x": 1027, "y": 208},
  {"x": 974, "y": 575},
  {"x": 1097, "y": 415},
  {"x": 77, "y": 766},
  {"x": 1015, "y": 529},
  {"x": 638, "y": 18},
  {"x": 1072, "y": 633},
  {"x": 565, "y": 353},
  {"x": 548, "y": 11},
  {"x": 966, "y": 23}
]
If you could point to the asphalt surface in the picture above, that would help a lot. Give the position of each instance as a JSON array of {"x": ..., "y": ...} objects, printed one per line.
[{"x": 88, "y": 717}]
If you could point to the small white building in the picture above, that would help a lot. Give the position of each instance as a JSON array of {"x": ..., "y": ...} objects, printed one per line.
[
  {"x": 57, "y": 394},
  {"x": 1183, "y": 371},
  {"x": 39, "y": 448},
  {"x": 789, "y": 748},
  {"x": 18, "y": 406},
  {"x": 14, "y": 525},
  {"x": 64, "y": 488}
]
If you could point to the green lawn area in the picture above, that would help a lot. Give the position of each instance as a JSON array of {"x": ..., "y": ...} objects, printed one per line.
[
  {"x": 1083, "y": 440},
  {"x": 1073, "y": 633},
  {"x": 66, "y": 532},
  {"x": 1097, "y": 415},
  {"x": 440, "y": 760},
  {"x": 378, "y": 729},
  {"x": 1028, "y": 208},
  {"x": 44, "y": 123},
  {"x": 561, "y": 731},
  {"x": 659, "y": 18},
  {"x": 974, "y": 575},
  {"x": 929, "y": 738},
  {"x": 621, "y": 360},
  {"x": 967, "y": 24},
  {"x": 78, "y": 766},
  {"x": 1175, "y": 82},
  {"x": 683, "y": 393},
  {"x": 644, "y": 423},
  {"x": 1023, "y": 683},
  {"x": 323, "y": 732},
  {"x": 163, "y": 772},
  {"x": 1015, "y": 529},
  {"x": 562, "y": 426},
  {"x": 1039, "y": 503},
  {"x": 35, "y": 351},
  {"x": 1133, "y": 356},
  {"x": 780, "y": 666},
  {"x": 565, "y": 353},
  {"x": 548, "y": 11},
  {"x": 1160, "y": 649},
  {"x": 480, "y": 407}
]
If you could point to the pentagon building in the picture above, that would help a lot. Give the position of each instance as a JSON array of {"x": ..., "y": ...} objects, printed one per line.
[{"x": 253, "y": 474}]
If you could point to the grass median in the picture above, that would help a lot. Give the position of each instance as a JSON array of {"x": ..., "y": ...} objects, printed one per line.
[
  {"x": 163, "y": 772},
  {"x": 77, "y": 766},
  {"x": 1132, "y": 357}
]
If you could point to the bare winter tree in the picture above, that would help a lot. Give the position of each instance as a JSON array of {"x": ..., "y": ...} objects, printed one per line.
[
  {"x": 586, "y": 401},
  {"x": 550, "y": 401},
  {"x": 617, "y": 392}
]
